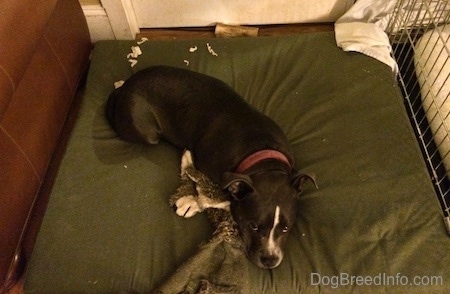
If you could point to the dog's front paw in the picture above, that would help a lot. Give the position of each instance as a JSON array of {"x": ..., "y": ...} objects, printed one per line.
[{"x": 187, "y": 206}]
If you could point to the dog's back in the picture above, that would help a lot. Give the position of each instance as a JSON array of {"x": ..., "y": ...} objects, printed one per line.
[{"x": 193, "y": 111}]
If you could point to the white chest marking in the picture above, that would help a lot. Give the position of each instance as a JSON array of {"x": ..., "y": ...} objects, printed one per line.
[{"x": 276, "y": 220}]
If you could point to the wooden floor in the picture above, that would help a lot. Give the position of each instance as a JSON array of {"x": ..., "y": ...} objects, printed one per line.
[
  {"x": 192, "y": 33},
  {"x": 209, "y": 32}
]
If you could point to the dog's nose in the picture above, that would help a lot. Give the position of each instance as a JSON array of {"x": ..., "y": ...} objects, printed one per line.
[{"x": 270, "y": 260}]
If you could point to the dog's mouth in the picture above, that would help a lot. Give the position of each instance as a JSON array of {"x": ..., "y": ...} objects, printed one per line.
[{"x": 265, "y": 259}]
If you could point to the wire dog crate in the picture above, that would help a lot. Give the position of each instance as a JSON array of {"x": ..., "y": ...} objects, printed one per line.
[{"x": 419, "y": 32}]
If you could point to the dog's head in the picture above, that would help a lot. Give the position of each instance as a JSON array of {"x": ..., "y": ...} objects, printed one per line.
[{"x": 264, "y": 208}]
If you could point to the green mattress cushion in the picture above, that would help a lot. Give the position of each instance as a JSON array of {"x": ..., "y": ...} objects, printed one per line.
[{"x": 109, "y": 228}]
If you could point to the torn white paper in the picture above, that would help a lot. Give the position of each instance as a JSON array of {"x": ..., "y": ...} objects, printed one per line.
[
  {"x": 143, "y": 40},
  {"x": 135, "y": 52},
  {"x": 132, "y": 62},
  {"x": 211, "y": 50},
  {"x": 118, "y": 84}
]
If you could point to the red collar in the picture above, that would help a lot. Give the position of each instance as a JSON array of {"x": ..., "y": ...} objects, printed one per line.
[{"x": 261, "y": 155}]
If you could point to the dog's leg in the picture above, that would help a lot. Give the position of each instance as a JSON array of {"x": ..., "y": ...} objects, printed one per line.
[
  {"x": 205, "y": 202},
  {"x": 144, "y": 119},
  {"x": 186, "y": 189},
  {"x": 209, "y": 194},
  {"x": 188, "y": 206},
  {"x": 148, "y": 128}
]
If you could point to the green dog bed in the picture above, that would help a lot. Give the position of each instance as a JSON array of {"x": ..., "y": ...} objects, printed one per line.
[{"x": 374, "y": 225}]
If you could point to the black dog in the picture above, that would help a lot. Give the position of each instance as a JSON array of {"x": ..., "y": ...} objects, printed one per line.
[{"x": 231, "y": 142}]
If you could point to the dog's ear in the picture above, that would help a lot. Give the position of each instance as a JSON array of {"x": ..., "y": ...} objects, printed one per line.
[
  {"x": 299, "y": 179},
  {"x": 238, "y": 185}
]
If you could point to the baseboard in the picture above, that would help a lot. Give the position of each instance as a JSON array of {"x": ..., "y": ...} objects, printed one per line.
[{"x": 98, "y": 23}]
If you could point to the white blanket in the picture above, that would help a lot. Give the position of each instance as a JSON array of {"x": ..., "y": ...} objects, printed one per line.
[{"x": 362, "y": 28}]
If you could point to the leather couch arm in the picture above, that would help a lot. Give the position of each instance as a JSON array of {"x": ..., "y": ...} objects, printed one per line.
[{"x": 44, "y": 52}]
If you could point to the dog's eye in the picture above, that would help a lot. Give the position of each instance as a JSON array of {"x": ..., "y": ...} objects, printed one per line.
[
  {"x": 285, "y": 229},
  {"x": 253, "y": 227}
]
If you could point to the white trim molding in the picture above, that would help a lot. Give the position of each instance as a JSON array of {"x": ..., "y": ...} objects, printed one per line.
[
  {"x": 98, "y": 23},
  {"x": 122, "y": 18}
]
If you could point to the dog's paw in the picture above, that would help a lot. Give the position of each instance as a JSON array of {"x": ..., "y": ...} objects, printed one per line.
[
  {"x": 187, "y": 206},
  {"x": 186, "y": 160}
]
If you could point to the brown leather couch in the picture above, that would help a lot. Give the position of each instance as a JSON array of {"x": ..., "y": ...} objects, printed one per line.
[{"x": 44, "y": 51}]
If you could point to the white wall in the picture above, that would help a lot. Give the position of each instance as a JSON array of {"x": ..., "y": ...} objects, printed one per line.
[
  {"x": 194, "y": 13},
  {"x": 122, "y": 19}
]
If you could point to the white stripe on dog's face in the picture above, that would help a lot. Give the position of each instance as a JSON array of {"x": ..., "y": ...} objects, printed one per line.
[{"x": 272, "y": 246}]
